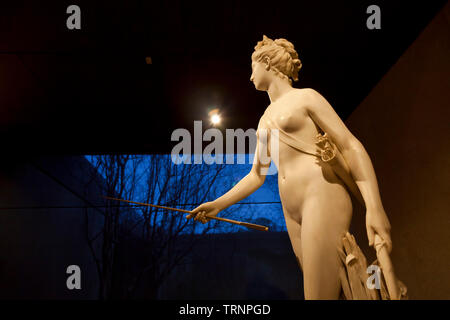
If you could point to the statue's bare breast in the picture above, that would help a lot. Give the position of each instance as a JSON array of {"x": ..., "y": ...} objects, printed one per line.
[{"x": 301, "y": 176}]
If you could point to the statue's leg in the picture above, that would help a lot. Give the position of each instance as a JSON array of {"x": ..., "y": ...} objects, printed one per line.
[
  {"x": 295, "y": 232},
  {"x": 324, "y": 223}
]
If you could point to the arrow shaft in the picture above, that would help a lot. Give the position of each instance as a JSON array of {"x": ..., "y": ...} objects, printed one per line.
[{"x": 245, "y": 224}]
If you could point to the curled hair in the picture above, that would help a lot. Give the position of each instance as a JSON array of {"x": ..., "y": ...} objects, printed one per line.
[{"x": 283, "y": 57}]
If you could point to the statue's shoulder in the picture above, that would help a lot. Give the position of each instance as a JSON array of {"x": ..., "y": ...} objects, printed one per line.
[
  {"x": 306, "y": 92},
  {"x": 308, "y": 96},
  {"x": 303, "y": 97}
]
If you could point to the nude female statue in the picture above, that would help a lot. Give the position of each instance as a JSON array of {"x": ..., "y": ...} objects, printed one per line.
[{"x": 316, "y": 204}]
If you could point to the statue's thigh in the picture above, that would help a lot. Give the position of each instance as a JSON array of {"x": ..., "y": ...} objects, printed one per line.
[
  {"x": 322, "y": 230},
  {"x": 295, "y": 232}
]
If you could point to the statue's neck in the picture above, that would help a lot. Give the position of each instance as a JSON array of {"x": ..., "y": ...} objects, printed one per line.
[{"x": 277, "y": 89}]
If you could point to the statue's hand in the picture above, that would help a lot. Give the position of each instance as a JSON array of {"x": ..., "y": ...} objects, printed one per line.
[
  {"x": 204, "y": 210},
  {"x": 377, "y": 222}
]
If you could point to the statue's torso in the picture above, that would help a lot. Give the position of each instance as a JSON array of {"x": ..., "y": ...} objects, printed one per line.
[{"x": 301, "y": 176}]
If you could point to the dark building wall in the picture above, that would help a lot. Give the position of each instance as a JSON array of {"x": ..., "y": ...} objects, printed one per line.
[
  {"x": 404, "y": 125},
  {"x": 39, "y": 243},
  {"x": 244, "y": 265}
]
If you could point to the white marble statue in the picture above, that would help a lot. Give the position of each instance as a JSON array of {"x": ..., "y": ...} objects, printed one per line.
[{"x": 316, "y": 201}]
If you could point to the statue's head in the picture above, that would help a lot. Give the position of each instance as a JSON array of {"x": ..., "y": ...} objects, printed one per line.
[{"x": 274, "y": 57}]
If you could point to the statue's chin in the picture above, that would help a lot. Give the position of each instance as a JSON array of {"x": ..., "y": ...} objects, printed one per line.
[{"x": 259, "y": 88}]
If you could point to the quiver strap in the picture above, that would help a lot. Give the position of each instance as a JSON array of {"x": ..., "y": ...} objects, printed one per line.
[{"x": 324, "y": 149}]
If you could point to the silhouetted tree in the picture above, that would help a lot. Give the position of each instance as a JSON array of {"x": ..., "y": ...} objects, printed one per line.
[{"x": 140, "y": 245}]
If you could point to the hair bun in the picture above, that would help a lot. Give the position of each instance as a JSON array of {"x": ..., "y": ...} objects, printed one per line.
[
  {"x": 283, "y": 55},
  {"x": 264, "y": 42},
  {"x": 288, "y": 46},
  {"x": 297, "y": 63}
]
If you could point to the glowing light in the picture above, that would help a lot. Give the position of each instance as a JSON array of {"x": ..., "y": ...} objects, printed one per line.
[
  {"x": 215, "y": 119},
  {"x": 214, "y": 116}
]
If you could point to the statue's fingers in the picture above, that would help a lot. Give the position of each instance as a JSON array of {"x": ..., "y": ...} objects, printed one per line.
[
  {"x": 198, "y": 216},
  {"x": 370, "y": 236},
  {"x": 196, "y": 210},
  {"x": 387, "y": 239},
  {"x": 389, "y": 245},
  {"x": 192, "y": 214}
]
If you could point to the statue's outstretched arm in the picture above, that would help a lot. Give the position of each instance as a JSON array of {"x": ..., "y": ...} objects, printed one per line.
[
  {"x": 358, "y": 160},
  {"x": 249, "y": 184},
  {"x": 252, "y": 181}
]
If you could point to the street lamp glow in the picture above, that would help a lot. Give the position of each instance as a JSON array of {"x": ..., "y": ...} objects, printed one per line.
[{"x": 215, "y": 119}]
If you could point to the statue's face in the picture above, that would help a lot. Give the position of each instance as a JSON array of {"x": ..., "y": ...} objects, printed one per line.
[{"x": 260, "y": 76}]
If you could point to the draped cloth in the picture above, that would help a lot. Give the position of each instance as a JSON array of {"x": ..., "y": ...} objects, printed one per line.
[{"x": 354, "y": 275}]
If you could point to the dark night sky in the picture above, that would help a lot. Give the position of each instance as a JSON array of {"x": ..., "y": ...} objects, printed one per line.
[{"x": 90, "y": 90}]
